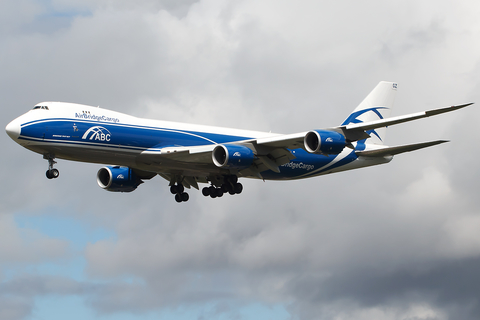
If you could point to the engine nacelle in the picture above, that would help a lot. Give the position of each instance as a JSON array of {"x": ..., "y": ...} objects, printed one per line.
[
  {"x": 118, "y": 179},
  {"x": 324, "y": 142},
  {"x": 232, "y": 156}
]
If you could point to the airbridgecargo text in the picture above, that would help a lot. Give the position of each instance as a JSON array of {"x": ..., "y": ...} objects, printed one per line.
[
  {"x": 299, "y": 165},
  {"x": 97, "y": 118}
]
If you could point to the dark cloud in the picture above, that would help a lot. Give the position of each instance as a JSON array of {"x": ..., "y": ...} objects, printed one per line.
[{"x": 448, "y": 285}]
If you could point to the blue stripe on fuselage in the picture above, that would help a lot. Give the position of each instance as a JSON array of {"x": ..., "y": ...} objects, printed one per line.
[
  {"x": 118, "y": 135},
  {"x": 138, "y": 138}
]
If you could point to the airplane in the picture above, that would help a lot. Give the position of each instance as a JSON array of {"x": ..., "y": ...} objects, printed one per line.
[{"x": 136, "y": 149}]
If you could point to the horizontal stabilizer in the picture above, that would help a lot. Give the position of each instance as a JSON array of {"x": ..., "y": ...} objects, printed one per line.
[{"x": 391, "y": 151}]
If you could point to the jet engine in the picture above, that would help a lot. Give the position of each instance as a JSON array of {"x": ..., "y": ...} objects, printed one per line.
[
  {"x": 232, "y": 156},
  {"x": 324, "y": 142},
  {"x": 118, "y": 179}
]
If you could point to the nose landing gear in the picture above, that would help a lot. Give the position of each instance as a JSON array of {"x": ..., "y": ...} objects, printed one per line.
[{"x": 51, "y": 173}]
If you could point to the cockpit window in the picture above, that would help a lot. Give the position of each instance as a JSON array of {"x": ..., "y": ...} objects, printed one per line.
[{"x": 40, "y": 107}]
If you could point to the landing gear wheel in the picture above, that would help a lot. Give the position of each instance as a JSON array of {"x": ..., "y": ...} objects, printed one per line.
[
  {"x": 213, "y": 192},
  {"x": 206, "y": 191},
  {"x": 184, "y": 196},
  {"x": 229, "y": 189},
  {"x": 52, "y": 174},
  {"x": 178, "y": 197},
  {"x": 55, "y": 173},
  {"x": 180, "y": 188},
  {"x": 238, "y": 188},
  {"x": 177, "y": 188}
]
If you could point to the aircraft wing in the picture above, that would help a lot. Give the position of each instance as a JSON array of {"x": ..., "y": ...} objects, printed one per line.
[
  {"x": 391, "y": 151},
  {"x": 290, "y": 141},
  {"x": 272, "y": 152},
  {"x": 268, "y": 157},
  {"x": 178, "y": 153},
  {"x": 400, "y": 119},
  {"x": 353, "y": 131}
]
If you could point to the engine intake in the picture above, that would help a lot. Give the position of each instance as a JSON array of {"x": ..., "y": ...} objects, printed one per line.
[
  {"x": 232, "y": 156},
  {"x": 324, "y": 142},
  {"x": 118, "y": 179}
]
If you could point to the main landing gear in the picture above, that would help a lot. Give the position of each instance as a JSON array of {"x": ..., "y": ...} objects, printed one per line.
[
  {"x": 178, "y": 191},
  {"x": 229, "y": 185},
  {"x": 51, "y": 173},
  {"x": 220, "y": 186}
]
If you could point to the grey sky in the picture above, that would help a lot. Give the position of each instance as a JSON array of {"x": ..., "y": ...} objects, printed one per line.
[{"x": 398, "y": 241}]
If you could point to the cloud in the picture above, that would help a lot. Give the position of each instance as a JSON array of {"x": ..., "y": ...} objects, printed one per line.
[
  {"x": 388, "y": 242},
  {"x": 26, "y": 246}
]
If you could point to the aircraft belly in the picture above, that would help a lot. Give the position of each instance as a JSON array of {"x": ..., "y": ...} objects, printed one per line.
[
  {"x": 305, "y": 165},
  {"x": 296, "y": 170},
  {"x": 112, "y": 155},
  {"x": 84, "y": 153}
]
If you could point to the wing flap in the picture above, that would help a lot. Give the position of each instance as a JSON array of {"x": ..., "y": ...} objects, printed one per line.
[
  {"x": 200, "y": 154},
  {"x": 186, "y": 181}
]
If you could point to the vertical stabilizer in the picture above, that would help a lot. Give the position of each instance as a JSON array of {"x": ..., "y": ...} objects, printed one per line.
[{"x": 377, "y": 105}]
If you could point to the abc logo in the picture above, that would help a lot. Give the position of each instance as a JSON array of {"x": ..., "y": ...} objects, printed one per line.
[{"x": 97, "y": 133}]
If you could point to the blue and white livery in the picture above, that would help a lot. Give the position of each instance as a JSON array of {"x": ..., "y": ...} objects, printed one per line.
[{"x": 138, "y": 149}]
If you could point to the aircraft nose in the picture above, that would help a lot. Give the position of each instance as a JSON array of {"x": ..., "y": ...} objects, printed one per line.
[{"x": 13, "y": 129}]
